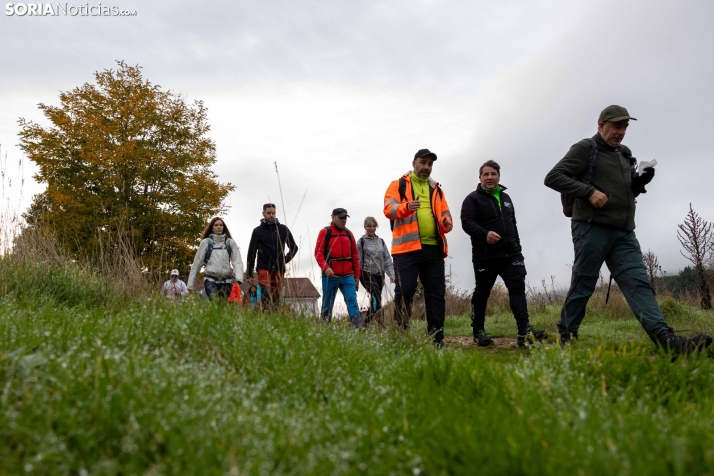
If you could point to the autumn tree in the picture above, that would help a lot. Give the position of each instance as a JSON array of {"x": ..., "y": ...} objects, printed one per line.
[
  {"x": 124, "y": 156},
  {"x": 697, "y": 239}
]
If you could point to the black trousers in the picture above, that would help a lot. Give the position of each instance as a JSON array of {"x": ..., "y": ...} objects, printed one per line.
[
  {"x": 427, "y": 264},
  {"x": 373, "y": 284},
  {"x": 513, "y": 272}
]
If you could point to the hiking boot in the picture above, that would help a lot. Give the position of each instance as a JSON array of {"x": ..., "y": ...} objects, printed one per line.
[
  {"x": 682, "y": 345},
  {"x": 565, "y": 339},
  {"x": 483, "y": 339},
  {"x": 439, "y": 344},
  {"x": 531, "y": 336}
]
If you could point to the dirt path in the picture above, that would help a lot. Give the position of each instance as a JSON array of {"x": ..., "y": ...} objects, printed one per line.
[{"x": 468, "y": 341}]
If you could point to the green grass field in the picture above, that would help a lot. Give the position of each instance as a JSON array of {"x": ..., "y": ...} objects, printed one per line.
[{"x": 147, "y": 387}]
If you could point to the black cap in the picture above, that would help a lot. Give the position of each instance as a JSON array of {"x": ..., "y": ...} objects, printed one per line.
[
  {"x": 340, "y": 212},
  {"x": 424, "y": 153}
]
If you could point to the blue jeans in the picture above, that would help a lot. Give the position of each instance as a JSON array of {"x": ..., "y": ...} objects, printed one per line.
[
  {"x": 347, "y": 285},
  {"x": 222, "y": 290}
]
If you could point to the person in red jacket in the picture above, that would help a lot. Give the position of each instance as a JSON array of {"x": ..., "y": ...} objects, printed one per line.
[{"x": 336, "y": 254}]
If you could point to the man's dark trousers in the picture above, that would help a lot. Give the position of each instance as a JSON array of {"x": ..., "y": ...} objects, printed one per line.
[
  {"x": 428, "y": 265},
  {"x": 620, "y": 250},
  {"x": 513, "y": 272}
]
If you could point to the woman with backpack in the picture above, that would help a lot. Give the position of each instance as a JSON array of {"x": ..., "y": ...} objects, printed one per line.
[
  {"x": 220, "y": 257},
  {"x": 374, "y": 261}
]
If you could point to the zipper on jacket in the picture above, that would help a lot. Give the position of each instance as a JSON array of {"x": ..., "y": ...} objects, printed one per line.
[{"x": 620, "y": 157}]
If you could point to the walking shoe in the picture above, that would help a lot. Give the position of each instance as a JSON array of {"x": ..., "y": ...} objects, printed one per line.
[
  {"x": 565, "y": 339},
  {"x": 483, "y": 339},
  {"x": 682, "y": 345},
  {"x": 439, "y": 344},
  {"x": 531, "y": 336}
]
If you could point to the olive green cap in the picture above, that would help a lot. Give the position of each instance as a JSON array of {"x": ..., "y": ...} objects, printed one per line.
[{"x": 613, "y": 114}]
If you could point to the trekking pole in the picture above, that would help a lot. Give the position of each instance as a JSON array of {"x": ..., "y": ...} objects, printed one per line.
[{"x": 607, "y": 296}]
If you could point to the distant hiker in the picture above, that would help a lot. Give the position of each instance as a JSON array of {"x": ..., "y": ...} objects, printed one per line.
[
  {"x": 336, "y": 254},
  {"x": 489, "y": 218},
  {"x": 174, "y": 288},
  {"x": 374, "y": 261},
  {"x": 599, "y": 177},
  {"x": 253, "y": 297},
  {"x": 220, "y": 256},
  {"x": 268, "y": 242},
  {"x": 417, "y": 207}
]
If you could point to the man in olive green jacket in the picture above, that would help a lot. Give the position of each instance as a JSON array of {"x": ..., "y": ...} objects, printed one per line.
[{"x": 602, "y": 192}]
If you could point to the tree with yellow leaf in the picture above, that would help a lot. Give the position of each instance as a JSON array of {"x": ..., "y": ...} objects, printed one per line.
[{"x": 124, "y": 157}]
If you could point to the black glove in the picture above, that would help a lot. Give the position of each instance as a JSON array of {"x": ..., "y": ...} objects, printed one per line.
[
  {"x": 647, "y": 175},
  {"x": 639, "y": 182}
]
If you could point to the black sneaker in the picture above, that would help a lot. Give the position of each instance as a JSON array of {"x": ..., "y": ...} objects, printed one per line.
[
  {"x": 483, "y": 339},
  {"x": 531, "y": 336},
  {"x": 567, "y": 338},
  {"x": 683, "y": 345}
]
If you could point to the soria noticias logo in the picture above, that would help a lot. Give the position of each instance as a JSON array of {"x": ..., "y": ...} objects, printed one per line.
[{"x": 65, "y": 9}]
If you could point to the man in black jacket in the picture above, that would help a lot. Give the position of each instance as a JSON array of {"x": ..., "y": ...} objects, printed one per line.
[
  {"x": 268, "y": 242},
  {"x": 487, "y": 215},
  {"x": 601, "y": 176}
]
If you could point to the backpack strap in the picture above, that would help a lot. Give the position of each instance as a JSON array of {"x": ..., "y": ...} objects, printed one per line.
[
  {"x": 402, "y": 188},
  {"x": 402, "y": 196},
  {"x": 628, "y": 155},
  {"x": 209, "y": 250},
  {"x": 229, "y": 247},
  {"x": 328, "y": 237}
]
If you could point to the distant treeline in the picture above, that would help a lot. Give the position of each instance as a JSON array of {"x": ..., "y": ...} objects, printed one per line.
[{"x": 686, "y": 282}]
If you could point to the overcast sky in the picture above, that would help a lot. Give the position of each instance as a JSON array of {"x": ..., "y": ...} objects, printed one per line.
[{"x": 342, "y": 94}]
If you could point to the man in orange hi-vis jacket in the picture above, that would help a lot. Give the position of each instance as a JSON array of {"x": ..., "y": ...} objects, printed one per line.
[{"x": 420, "y": 216}]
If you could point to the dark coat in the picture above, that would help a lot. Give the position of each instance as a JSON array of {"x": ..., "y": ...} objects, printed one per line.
[
  {"x": 480, "y": 214},
  {"x": 268, "y": 242},
  {"x": 612, "y": 175}
]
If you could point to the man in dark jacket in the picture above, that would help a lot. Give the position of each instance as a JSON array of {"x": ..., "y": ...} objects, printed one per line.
[
  {"x": 489, "y": 218},
  {"x": 601, "y": 176},
  {"x": 268, "y": 241}
]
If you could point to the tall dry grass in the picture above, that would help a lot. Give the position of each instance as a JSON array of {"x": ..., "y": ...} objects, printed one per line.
[{"x": 34, "y": 267}]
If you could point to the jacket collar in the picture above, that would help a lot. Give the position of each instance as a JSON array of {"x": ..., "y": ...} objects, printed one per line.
[
  {"x": 263, "y": 222},
  {"x": 480, "y": 189},
  {"x": 217, "y": 238},
  {"x": 602, "y": 145},
  {"x": 432, "y": 183},
  {"x": 336, "y": 230}
]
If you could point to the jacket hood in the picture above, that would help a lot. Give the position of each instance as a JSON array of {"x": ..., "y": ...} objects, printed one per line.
[{"x": 218, "y": 238}]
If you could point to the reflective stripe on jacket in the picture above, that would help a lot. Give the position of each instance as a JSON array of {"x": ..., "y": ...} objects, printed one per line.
[{"x": 405, "y": 235}]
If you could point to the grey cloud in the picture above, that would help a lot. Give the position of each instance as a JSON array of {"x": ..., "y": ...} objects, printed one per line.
[{"x": 349, "y": 90}]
